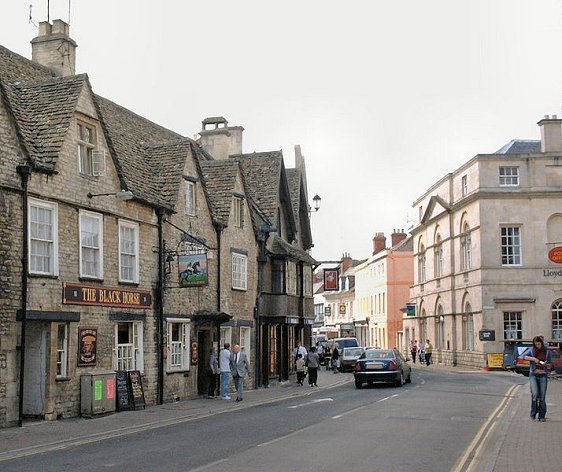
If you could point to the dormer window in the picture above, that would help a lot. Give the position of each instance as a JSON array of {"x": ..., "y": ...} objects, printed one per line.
[
  {"x": 90, "y": 160},
  {"x": 190, "y": 202},
  {"x": 238, "y": 211}
]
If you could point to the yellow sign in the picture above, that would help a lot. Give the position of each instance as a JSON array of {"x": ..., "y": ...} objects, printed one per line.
[
  {"x": 495, "y": 360},
  {"x": 342, "y": 309}
]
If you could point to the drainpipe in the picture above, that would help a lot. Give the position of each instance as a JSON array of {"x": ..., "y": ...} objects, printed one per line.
[
  {"x": 160, "y": 306},
  {"x": 218, "y": 229},
  {"x": 24, "y": 172}
]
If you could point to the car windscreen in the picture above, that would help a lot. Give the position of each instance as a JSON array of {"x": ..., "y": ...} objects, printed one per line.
[
  {"x": 346, "y": 343},
  {"x": 352, "y": 351},
  {"x": 378, "y": 354}
]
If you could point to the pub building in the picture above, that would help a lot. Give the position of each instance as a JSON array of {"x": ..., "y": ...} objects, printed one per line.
[{"x": 122, "y": 250}]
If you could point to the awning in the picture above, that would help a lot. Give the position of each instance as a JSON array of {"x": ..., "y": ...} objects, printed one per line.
[
  {"x": 40, "y": 315},
  {"x": 205, "y": 316}
]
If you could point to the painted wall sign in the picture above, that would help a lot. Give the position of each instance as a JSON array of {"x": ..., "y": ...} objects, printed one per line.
[
  {"x": 331, "y": 279},
  {"x": 555, "y": 254},
  {"x": 552, "y": 273},
  {"x": 78, "y": 294},
  {"x": 193, "y": 271}
]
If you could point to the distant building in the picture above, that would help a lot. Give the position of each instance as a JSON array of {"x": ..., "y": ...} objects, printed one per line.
[
  {"x": 382, "y": 289},
  {"x": 487, "y": 252}
]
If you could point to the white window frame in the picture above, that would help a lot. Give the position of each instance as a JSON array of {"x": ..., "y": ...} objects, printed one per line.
[
  {"x": 438, "y": 258},
  {"x": 245, "y": 339},
  {"x": 464, "y": 185},
  {"x": 134, "y": 348},
  {"x": 513, "y": 249},
  {"x": 238, "y": 203},
  {"x": 190, "y": 198},
  {"x": 62, "y": 352},
  {"x": 509, "y": 176},
  {"x": 135, "y": 227},
  {"x": 99, "y": 249},
  {"x": 87, "y": 164},
  {"x": 52, "y": 243},
  {"x": 466, "y": 249},
  {"x": 239, "y": 271},
  {"x": 556, "y": 310},
  {"x": 421, "y": 266},
  {"x": 226, "y": 335},
  {"x": 514, "y": 320},
  {"x": 179, "y": 349}
]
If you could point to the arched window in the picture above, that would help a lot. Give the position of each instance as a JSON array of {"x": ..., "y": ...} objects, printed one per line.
[
  {"x": 557, "y": 319},
  {"x": 421, "y": 264},
  {"x": 438, "y": 257},
  {"x": 468, "y": 328},
  {"x": 423, "y": 326},
  {"x": 440, "y": 323},
  {"x": 466, "y": 248}
]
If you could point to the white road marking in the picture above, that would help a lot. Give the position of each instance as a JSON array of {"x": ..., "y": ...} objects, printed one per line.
[
  {"x": 387, "y": 398},
  {"x": 294, "y": 433},
  {"x": 361, "y": 407},
  {"x": 212, "y": 464},
  {"x": 318, "y": 400}
]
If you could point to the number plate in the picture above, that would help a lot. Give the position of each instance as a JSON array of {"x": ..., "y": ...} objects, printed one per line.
[{"x": 374, "y": 366}]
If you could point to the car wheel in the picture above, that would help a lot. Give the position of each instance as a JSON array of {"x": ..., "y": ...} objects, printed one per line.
[
  {"x": 400, "y": 380},
  {"x": 358, "y": 383},
  {"x": 409, "y": 379}
]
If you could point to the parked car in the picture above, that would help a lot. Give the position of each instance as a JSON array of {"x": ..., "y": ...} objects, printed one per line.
[
  {"x": 382, "y": 365},
  {"x": 522, "y": 366},
  {"x": 348, "y": 357},
  {"x": 344, "y": 342}
]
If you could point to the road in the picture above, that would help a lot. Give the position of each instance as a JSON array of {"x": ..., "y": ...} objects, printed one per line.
[{"x": 429, "y": 424}]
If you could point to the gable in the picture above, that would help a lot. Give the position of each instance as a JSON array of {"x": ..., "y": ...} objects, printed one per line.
[{"x": 436, "y": 207}]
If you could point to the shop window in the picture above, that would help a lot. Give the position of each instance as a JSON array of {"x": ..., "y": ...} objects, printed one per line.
[{"x": 128, "y": 348}]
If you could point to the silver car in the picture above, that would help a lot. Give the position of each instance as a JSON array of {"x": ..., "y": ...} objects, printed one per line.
[{"x": 348, "y": 357}]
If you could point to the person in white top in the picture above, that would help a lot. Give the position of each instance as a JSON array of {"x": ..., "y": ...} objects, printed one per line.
[{"x": 224, "y": 366}]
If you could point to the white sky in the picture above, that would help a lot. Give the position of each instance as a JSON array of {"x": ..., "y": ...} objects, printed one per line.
[{"x": 384, "y": 97}]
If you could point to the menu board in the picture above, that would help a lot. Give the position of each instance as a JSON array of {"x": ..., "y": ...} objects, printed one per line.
[
  {"x": 124, "y": 398},
  {"x": 137, "y": 392}
]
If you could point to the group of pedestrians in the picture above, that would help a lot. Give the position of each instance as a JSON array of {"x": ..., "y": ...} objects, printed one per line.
[
  {"x": 306, "y": 363},
  {"x": 227, "y": 364},
  {"x": 421, "y": 351}
]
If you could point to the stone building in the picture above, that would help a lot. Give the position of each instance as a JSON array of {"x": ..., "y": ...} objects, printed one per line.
[
  {"x": 486, "y": 252},
  {"x": 382, "y": 290},
  {"x": 124, "y": 245}
]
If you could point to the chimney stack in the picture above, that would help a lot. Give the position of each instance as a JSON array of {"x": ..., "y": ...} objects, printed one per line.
[
  {"x": 221, "y": 140},
  {"x": 346, "y": 262},
  {"x": 397, "y": 236},
  {"x": 54, "y": 48},
  {"x": 551, "y": 134},
  {"x": 379, "y": 243}
]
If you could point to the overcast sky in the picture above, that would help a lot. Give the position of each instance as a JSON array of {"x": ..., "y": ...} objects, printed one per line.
[{"x": 384, "y": 97}]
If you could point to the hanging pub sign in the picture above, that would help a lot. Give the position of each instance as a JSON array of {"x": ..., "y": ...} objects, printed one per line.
[
  {"x": 193, "y": 271},
  {"x": 331, "y": 280},
  {"x": 78, "y": 294},
  {"x": 87, "y": 345}
]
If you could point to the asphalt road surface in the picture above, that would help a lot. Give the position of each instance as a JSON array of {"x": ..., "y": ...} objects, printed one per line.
[{"x": 426, "y": 425}]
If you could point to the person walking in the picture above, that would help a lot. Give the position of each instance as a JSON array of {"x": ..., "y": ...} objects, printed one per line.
[
  {"x": 224, "y": 366},
  {"x": 421, "y": 352},
  {"x": 414, "y": 349},
  {"x": 240, "y": 366},
  {"x": 336, "y": 358},
  {"x": 428, "y": 352},
  {"x": 300, "y": 369},
  {"x": 213, "y": 370},
  {"x": 541, "y": 362},
  {"x": 313, "y": 366},
  {"x": 328, "y": 357}
]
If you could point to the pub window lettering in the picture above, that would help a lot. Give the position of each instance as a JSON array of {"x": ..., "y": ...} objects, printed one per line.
[{"x": 43, "y": 237}]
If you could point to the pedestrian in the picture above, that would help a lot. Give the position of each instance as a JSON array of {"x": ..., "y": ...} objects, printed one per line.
[
  {"x": 414, "y": 349},
  {"x": 300, "y": 369},
  {"x": 300, "y": 349},
  {"x": 328, "y": 357},
  {"x": 541, "y": 362},
  {"x": 313, "y": 363},
  {"x": 421, "y": 352},
  {"x": 224, "y": 366},
  {"x": 213, "y": 370},
  {"x": 336, "y": 358},
  {"x": 428, "y": 352},
  {"x": 320, "y": 352},
  {"x": 240, "y": 366}
]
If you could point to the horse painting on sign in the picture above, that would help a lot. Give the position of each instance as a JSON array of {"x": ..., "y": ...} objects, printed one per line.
[{"x": 193, "y": 270}]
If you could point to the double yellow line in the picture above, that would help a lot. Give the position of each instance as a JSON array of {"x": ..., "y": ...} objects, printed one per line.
[{"x": 469, "y": 459}]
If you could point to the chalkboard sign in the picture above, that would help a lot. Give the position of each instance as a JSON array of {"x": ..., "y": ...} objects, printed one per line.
[
  {"x": 124, "y": 398},
  {"x": 137, "y": 392}
]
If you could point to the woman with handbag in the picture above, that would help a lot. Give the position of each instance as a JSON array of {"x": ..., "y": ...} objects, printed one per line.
[{"x": 541, "y": 363}]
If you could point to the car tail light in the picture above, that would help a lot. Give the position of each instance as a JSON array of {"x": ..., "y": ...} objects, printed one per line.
[
  {"x": 392, "y": 365},
  {"x": 357, "y": 366},
  {"x": 522, "y": 361}
]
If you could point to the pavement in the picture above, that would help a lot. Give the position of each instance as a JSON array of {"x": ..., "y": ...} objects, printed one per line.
[{"x": 508, "y": 441}]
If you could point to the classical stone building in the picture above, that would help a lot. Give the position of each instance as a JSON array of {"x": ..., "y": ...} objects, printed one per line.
[
  {"x": 382, "y": 290},
  {"x": 485, "y": 252},
  {"x": 126, "y": 246}
]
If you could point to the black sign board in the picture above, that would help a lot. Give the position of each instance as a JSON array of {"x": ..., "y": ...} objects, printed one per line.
[
  {"x": 124, "y": 398},
  {"x": 487, "y": 335},
  {"x": 135, "y": 383}
]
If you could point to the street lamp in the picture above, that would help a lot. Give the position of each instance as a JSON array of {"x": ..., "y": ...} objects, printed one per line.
[
  {"x": 316, "y": 200},
  {"x": 122, "y": 195}
]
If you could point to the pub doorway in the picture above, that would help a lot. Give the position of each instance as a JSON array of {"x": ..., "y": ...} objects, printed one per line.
[
  {"x": 35, "y": 370},
  {"x": 204, "y": 343}
]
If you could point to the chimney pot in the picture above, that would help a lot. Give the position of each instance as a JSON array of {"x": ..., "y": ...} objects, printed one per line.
[{"x": 54, "y": 48}]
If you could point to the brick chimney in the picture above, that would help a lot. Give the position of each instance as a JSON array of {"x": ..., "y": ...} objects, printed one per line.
[
  {"x": 397, "y": 236},
  {"x": 346, "y": 262},
  {"x": 551, "y": 134},
  {"x": 379, "y": 242},
  {"x": 54, "y": 48},
  {"x": 219, "y": 139}
]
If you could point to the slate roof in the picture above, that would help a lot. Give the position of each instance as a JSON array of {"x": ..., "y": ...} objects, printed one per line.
[
  {"x": 220, "y": 179},
  {"x": 15, "y": 67},
  {"x": 280, "y": 247},
  {"x": 43, "y": 110},
  {"x": 521, "y": 146},
  {"x": 300, "y": 206},
  {"x": 150, "y": 158}
]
